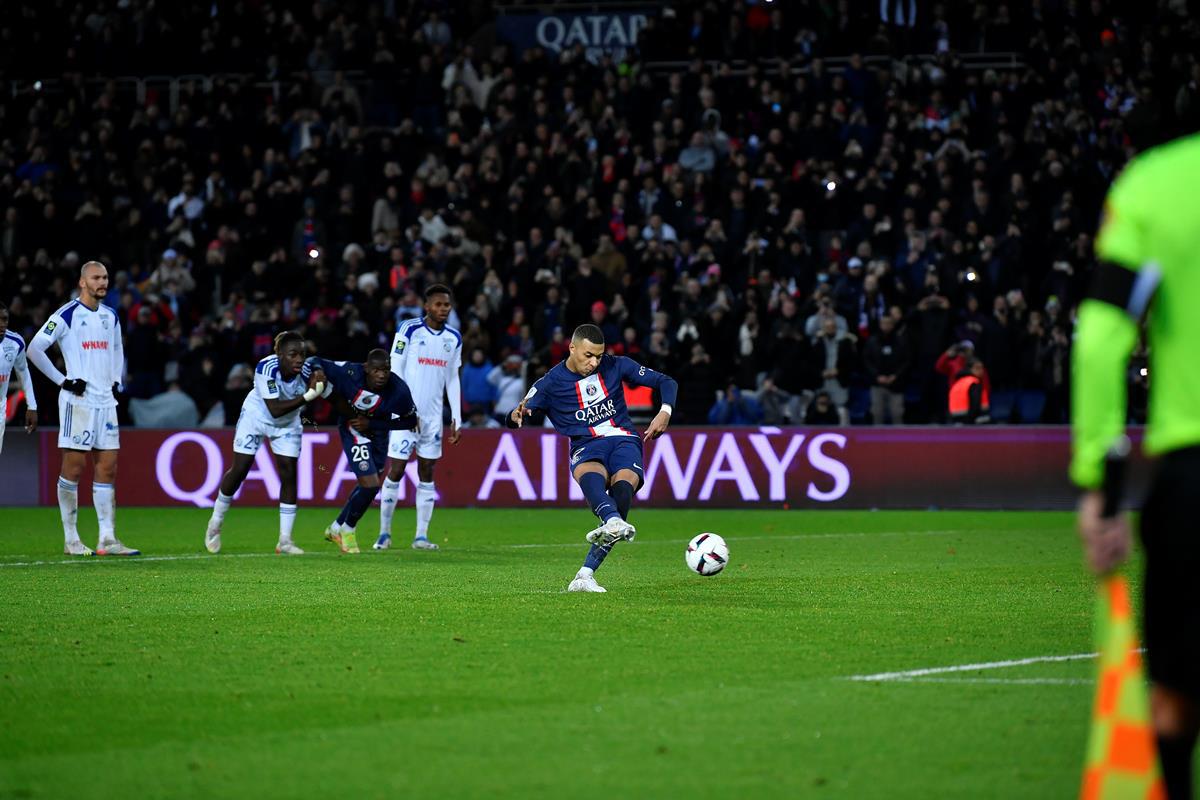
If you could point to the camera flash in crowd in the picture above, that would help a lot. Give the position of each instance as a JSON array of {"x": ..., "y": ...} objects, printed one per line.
[
  {"x": 971, "y": 276},
  {"x": 313, "y": 253},
  {"x": 830, "y": 185}
]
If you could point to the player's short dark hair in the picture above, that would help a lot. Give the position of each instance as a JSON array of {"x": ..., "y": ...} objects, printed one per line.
[
  {"x": 378, "y": 354},
  {"x": 284, "y": 338},
  {"x": 438, "y": 288},
  {"x": 590, "y": 332}
]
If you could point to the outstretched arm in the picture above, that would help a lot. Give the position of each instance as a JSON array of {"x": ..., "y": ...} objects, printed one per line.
[{"x": 639, "y": 375}]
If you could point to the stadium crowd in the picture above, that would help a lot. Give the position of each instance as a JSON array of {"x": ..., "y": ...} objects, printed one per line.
[{"x": 799, "y": 218}]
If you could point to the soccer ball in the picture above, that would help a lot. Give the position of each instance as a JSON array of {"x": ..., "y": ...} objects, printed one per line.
[{"x": 707, "y": 554}]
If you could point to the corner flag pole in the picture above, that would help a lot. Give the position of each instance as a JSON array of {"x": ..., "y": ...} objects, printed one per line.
[{"x": 1121, "y": 758}]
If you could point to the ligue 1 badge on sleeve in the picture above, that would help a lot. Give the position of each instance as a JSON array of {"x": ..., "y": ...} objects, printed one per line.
[{"x": 50, "y": 326}]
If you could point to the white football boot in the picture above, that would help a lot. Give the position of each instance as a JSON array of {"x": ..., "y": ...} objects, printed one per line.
[
  {"x": 421, "y": 543},
  {"x": 113, "y": 547},
  {"x": 288, "y": 549},
  {"x": 212, "y": 539},
  {"x": 587, "y": 584},
  {"x": 612, "y": 532}
]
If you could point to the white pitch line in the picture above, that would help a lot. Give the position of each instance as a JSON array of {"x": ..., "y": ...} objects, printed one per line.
[
  {"x": 1016, "y": 662},
  {"x": 790, "y": 537},
  {"x": 1009, "y": 681},
  {"x": 535, "y": 545},
  {"x": 140, "y": 559}
]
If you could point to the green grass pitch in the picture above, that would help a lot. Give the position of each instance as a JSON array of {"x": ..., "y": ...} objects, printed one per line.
[{"x": 471, "y": 673}]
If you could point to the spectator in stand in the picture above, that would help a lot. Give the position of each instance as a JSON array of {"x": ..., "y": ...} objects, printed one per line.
[
  {"x": 956, "y": 360},
  {"x": 815, "y": 322},
  {"x": 822, "y": 411},
  {"x": 735, "y": 407},
  {"x": 886, "y": 361},
  {"x": 698, "y": 156},
  {"x": 834, "y": 359},
  {"x": 968, "y": 401},
  {"x": 503, "y": 173},
  {"x": 508, "y": 381},
  {"x": 477, "y": 390},
  {"x": 1055, "y": 358},
  {"x": 172, "y": 268},
  {"x": 697, "y": 388},
  {"x": 476, "y": 418}
]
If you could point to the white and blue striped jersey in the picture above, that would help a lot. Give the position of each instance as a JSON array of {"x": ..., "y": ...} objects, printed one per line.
[
  {"x": 90, "y": 341},
  {"x": 269, "y": 384},
  {"x": 429, "y": 361},
  {"x": 12, "y": 359}
]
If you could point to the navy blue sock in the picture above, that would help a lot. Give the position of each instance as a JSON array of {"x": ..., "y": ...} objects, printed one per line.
[
  {"x": 622, "y": 495},
  {"x": 593, "y": 487},
  {"x": 595, "y": 557},
  {"x": 360, "y": 500}
]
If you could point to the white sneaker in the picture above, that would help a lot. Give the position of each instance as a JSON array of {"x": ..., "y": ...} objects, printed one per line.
[
  {"x": 113, "y": 547},
  {"x": 421, "y": 543},
  {"x": 288, "y": 549},
  {"x": 212, "y": 539},
  {"x": 587, "y": 584},
  {"x": 77, "y": 548},
  {"x": 612, "y": 532}
]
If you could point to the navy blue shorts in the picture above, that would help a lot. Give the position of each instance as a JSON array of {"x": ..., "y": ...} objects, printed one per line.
[
  {"x": 366, "y": 455},
  {"x": 613, "y": 452}
]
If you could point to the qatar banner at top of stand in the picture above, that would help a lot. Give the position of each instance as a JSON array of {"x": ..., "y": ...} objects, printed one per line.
[{"x": 764, "y": 467}]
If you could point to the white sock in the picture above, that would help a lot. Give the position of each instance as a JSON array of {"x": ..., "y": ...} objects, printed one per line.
[
  {"x": 287, "y": 519},
  {"x": 68, "y": 508},
  {"x": 585, "y": 572},
  {"x": 425, "y": 495},
  {"x": 387, "y": 504},
  {"x": 104, "y": 498},
  {"x": 220, "y": 508}
]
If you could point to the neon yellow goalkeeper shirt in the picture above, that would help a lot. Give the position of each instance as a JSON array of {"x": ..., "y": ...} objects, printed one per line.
[{"x": 1149, "y": 249}]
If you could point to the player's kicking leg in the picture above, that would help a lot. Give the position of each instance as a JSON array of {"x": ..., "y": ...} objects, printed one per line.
[{"x": 610, "y": 501}]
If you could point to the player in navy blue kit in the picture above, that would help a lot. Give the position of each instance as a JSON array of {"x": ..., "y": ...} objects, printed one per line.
[
  {"x": 371, "y": 402},
  {"x": 585, "y": 401}
]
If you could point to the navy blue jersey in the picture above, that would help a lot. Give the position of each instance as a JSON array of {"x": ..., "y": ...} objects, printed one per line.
[
  {"x": 390, "y": 409},
  {"x": 594, "y": 406}
]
